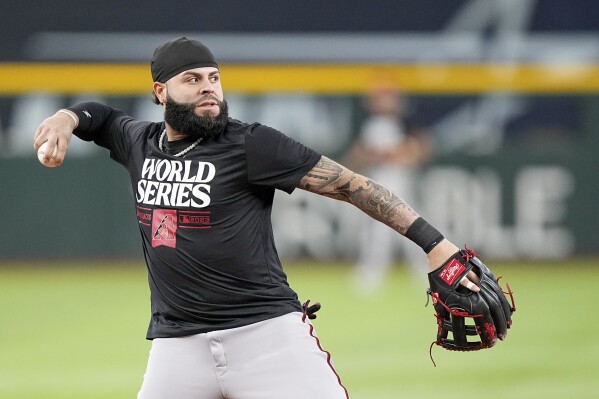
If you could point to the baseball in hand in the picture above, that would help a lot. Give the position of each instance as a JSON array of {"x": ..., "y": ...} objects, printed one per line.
[{"x": 40, "y": 155}]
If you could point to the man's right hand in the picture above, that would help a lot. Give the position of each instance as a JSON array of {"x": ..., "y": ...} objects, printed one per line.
[{"x": 57, "y": 130}]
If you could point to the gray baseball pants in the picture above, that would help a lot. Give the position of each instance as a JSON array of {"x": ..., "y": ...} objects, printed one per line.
[{"x": 273, "y": 359}]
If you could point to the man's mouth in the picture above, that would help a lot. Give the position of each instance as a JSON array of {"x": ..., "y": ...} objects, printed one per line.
[{"x": 207, "y": 104}]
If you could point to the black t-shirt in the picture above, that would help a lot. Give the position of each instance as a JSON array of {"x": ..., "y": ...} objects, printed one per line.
[{"x": 204, "y": 218}]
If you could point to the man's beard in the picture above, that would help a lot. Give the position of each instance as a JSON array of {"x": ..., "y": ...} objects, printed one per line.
[{"x": 182, "y": 118}]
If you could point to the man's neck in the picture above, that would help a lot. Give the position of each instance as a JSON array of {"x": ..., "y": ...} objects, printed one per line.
[{"x": 173, "y": 135}]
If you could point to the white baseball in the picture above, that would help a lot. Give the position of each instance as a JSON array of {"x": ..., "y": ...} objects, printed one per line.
[{"x": 40, "y": 155}]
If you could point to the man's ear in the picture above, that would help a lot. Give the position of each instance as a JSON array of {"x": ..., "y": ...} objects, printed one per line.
[{"x": 160, "y": 92}]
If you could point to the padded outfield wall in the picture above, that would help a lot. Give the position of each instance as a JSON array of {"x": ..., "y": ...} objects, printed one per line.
[{"x": 533, "y": 194}]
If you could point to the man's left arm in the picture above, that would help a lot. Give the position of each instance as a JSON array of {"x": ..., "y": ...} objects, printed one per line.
[{"x": 330, "y": 179}]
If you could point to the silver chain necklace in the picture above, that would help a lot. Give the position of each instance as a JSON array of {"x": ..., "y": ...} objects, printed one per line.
[{"x": 182, "y": 153}]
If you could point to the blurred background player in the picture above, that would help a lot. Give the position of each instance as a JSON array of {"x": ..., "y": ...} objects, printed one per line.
[{"x": 390, "y": 148}]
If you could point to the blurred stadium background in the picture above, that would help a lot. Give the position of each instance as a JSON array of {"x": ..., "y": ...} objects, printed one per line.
[{"x": 508, "y": 89}]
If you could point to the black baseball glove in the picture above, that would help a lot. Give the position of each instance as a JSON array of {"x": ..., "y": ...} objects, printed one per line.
[{"x": 489, "y": 309}]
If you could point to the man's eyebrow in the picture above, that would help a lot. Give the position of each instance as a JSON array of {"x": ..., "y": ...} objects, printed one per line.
[{"x": 187, "y": 73}]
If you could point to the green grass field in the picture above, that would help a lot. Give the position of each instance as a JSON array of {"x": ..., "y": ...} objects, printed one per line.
[{"x": 77, "y": 331}]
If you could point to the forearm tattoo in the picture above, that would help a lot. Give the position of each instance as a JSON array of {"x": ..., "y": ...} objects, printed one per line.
[{"x": 330, "y": 179}]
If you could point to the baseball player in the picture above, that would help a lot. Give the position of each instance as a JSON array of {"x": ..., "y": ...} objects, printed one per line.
[
  {"x": 389, "y": 149},
  {"x": 224, "y": 321}
]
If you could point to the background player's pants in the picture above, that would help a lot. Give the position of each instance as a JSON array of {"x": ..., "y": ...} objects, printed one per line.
[
  {"x": 273, "y": 359},
  {"x": 378, "y": 241}
]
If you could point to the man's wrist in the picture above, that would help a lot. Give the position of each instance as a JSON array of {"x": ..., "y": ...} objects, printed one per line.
[
  {"x": 71, "y": 114},
  {"x": 424, "y": 235},
  {"x": 440, "y": 254}
]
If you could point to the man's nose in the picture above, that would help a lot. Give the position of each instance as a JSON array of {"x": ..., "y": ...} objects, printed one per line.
[{"x": 207, "y": 88}]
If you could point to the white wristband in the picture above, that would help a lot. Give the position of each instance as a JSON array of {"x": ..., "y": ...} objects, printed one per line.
[{"x": 70, "y": 115}]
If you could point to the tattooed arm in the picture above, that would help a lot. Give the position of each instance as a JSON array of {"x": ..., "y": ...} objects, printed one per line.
[
  {"x": 333, "y": 180},
  {"x": 330, "y": 179}
]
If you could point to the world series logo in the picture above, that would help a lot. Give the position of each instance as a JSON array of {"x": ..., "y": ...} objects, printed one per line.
[
  {"x": 165, "y": 224},
  {"x": 182, "y": 184},
  {"x": 164, "y": 228}
]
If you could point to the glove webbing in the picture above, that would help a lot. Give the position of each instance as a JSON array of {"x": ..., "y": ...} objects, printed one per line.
[{"x": 447, "y": 326}]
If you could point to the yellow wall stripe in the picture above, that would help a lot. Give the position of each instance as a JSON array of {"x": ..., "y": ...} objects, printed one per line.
[{"x": 133, "y": 79}]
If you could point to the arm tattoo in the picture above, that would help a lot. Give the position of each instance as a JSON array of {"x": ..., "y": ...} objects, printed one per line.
[{"x": 332, "y": 180}]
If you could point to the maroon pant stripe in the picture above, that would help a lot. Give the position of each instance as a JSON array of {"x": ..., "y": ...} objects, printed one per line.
[{"x": 328, "y": 356}]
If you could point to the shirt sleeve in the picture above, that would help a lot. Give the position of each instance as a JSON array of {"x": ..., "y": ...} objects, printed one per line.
[
  {"x": 276, "y": 160},
  {"x": 108, "y": 127}
]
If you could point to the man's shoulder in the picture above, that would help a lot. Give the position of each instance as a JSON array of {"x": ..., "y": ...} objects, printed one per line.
[
  {"x": 235, "y": 125},
  {"x": 244, "y": 130},
  {"x": 251, "y": 128},
  {"x": 145, "y": 129}
]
